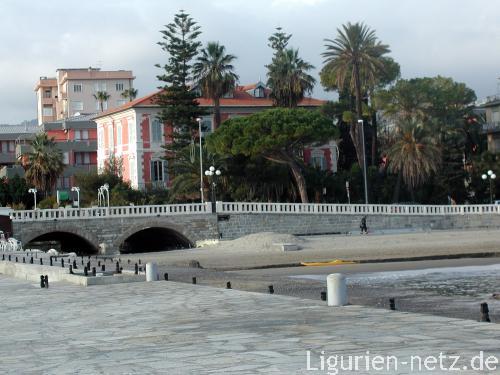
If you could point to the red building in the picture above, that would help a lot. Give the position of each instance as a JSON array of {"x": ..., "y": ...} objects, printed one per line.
[{"x": 134, "y": 133}]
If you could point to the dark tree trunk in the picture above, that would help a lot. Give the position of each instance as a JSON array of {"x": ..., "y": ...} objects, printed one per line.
[{"x": 217, "y": 119}]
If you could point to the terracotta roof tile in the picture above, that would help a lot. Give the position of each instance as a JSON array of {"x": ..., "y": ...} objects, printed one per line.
[{"x": 240, "y": 99}]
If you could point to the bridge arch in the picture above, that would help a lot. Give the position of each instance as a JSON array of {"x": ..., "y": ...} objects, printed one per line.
[
  {"x": 153, "y": 236},
  {"x": 70, "y": 239}
]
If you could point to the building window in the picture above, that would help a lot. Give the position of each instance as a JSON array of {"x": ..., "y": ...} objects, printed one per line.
[
  {"x": 119, "y": 86},
  {"x": 156, "y": 136},
  {"x": 47, "y": 110},
  {"x": 110, "y": 136},
  {"x": 65, "y": 158},
  {"x": 319, "y": 161},
  {"x": 100, "y": 138},
  {"x": 159, "y": 171},
  {"x": 82, "y": 158},
  {"x": 258, "y": 92},
  {"x": 12, "y": 146},
  {"x": 77, "y": 87},
  {"x": 119, "y": 134},
  {"x": 99, "y": 86},
  {"x": 81, "y": 135},
  {"x": 77, "y": 106},
  {"x": 47, "y": 93},
  {"x": 131, "y": 131},
  {"x": 495, "y": 116}
]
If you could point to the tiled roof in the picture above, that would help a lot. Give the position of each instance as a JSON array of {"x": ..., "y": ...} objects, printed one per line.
[
  {"x": 19, "y": 129},
  {"x": 240, "y": 99}
]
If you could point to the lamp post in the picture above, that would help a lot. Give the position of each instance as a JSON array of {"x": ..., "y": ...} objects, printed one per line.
[
  {"x": 491, "y": 176},
  {"x": 361, "y": 122},
  {"x": 105, "y": 188},
  {"x": 212, "y": 173},
  {"x": 77, "y": 189},
  {"x": 199, "y": 119},
  {"x": 33, "y": 191}
]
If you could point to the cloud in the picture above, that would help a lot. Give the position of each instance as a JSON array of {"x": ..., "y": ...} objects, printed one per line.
[{"x": 295, "y": 3}]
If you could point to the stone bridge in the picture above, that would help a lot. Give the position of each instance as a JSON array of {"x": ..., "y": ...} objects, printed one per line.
[{"x": 163, "y": 227}]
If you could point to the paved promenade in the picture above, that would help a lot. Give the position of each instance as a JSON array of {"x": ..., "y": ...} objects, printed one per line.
[{"x": 175, "y": 328}]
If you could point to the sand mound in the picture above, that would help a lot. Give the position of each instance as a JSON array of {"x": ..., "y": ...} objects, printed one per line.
[{"x": 261, "y": 241}]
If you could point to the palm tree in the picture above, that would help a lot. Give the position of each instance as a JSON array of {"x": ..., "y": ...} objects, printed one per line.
[
  {"x": 102, "y": 97},
  {"x": 130, "y": 94},
  {"x": 414, "y": 156},
  {"x": 288, "y": 79},
  {"x": 356, "y": 61},
  {"x": 44, "y": 164},
  {"x": 215, "y": 75}
]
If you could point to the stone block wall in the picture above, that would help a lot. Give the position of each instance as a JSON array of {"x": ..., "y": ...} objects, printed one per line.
[{"x": 237, "y": 225}]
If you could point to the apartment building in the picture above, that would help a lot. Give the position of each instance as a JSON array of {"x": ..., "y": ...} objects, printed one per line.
[
  {"x": 71, "y": 92},
  {"x": 134, "y": 133},
  {"x": 11, "y": 138}
]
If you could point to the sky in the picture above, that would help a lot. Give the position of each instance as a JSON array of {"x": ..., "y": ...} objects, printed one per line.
[{"x": 452, "y": 38}]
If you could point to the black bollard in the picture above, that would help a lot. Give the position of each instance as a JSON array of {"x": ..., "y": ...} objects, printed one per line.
[
  {"x": 47, "y": 281},
  {"x": 93, "y": 271},
  {"x": 99, "y": 264},
  {"x": 85, "y": 271},
  {"x": 228, "y": 285},
  {"x": 392, "y": 304},
  {"x": 323, "y": 296},
  {"x": 41, "y": 261},
  {"x": 136, "y": 269},
  {"x": 88, "y": 266},
  {"x": 74, "y": 264},
  {"x": 31, "y": 260},
  {"x": 117, "y": 267},
  {"x": 194, "y": 280},
  {"x": 62, "y": 262},
  {"x": 271, "y": 289},
  {"x": 485, "y": 313},
  {"x": 24, "y": 260},
  {"x": 42, "y": 281},
  {"x": 166, "y": 276},
  {"x": 9, "y": 257},
  {"x": 139, "y": 261},
  {"x": 16, "y": 259},
  {"x": 71, "y": 269},
  {"x": 3, "y": 256},
  {"x": 50, "y": 258},
  {"x": 103, "y": 268}
]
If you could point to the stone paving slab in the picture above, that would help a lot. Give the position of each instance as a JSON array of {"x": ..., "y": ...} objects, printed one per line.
[{"x": 175, "y": 328}]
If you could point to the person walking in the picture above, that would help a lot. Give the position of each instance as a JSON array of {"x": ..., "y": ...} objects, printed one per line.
[{"x": 362, "y": 226}]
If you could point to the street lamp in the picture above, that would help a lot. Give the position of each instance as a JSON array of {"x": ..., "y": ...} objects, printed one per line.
[
  {"x": 33, "y": 191},
  {"x": 199, "y": 119},
  {"x": 491, "y": 175},
  {"x": 77, "y": 189},
  {"x": 212, "y": 173},
  {"x": 105, "y": 188},
  {"x": 361, "y": 122}
]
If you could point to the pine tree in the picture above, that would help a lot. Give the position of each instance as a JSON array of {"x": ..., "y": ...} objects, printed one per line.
[{"x": 178, "y": 103}]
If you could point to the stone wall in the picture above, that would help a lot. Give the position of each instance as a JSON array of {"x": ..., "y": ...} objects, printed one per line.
[
  {"x": 237, "y": 225},
  {"x": 112, "y": 232}
]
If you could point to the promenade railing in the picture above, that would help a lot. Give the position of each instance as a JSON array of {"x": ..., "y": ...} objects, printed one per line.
[
  {"x": 249, "y": 208},
  {"x": 354, "y": 209},
  {"x": 118, "y": 211}
]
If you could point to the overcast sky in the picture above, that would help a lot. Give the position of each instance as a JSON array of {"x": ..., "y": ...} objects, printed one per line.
[{"x": 455, "y": 38}]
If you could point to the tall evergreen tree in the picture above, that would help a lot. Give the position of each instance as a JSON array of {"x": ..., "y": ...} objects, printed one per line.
[{"x": 177, "y": 100}]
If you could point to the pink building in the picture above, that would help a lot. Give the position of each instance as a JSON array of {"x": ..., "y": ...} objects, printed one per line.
[
  {"x": 134, "y": 133},
  {"x": 71, "y": 92}
]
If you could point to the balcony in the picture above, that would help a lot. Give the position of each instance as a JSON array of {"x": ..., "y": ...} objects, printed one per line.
[{"x": 491, "y": 127}]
